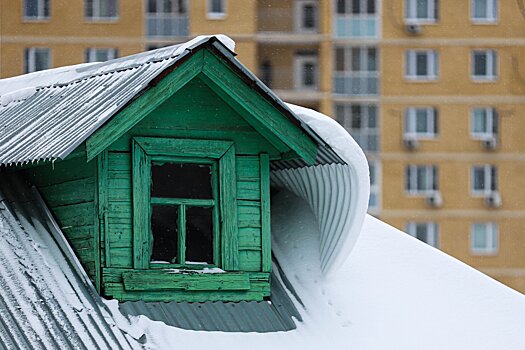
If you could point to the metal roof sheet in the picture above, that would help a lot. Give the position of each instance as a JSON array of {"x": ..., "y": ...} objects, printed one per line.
[
  {"x": 50, "y": 121},
  {"x": 44, "y": 302},
  {"x": 262, "y": 317}
]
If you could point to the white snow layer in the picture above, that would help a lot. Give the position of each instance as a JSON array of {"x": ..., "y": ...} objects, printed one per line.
[{"x": 394, "y": 292}]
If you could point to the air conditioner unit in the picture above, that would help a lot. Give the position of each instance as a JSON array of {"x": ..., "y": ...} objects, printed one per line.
[
  {"x": 493, "y": 199},
  {"x": 489, "y": 143},
  {"x": 434, "y": 200},
  {"x": 411, "y": 143},
  {"x": 412, "y": 29}
]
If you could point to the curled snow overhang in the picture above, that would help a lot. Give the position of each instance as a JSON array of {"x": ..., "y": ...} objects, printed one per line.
[{"x": 337, "y": 193}]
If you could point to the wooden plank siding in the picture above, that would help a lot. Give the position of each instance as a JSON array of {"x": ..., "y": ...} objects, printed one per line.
[
  {"x": 68, "y": 187},
  {"x": 194, "y": 112}
]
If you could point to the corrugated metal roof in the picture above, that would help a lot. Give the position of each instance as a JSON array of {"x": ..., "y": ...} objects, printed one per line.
[
  {"x": 51, "y": 121},
  {"x": 44, "y": 302},
  {"x": 263, "y": 317}
]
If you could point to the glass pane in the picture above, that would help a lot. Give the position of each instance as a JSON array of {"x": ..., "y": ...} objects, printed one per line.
[
  {"x": 88, "y": 8},
  {"x": 340, "y": 59},
  {"x": 41, "y": 59},
  {"x": 479, "y": 239},
  {"x": 421, "y": 121},
  {"x": 422, "y": 178},
  {"x": 479, "y": 178},
  {"x": 355, "y": 6},
  {"x": 356, "y": 60},
  {"x": 371, "y": 7},
  {"x": 371, "y": 60},
  {"x": 199, "y": 234},
  {"x": 152, "y": 6},
  {"x": 31, "y": 8},
  {"x": 422, "y": 8},
  {"x": 216, "y": 6},
  {"x": 493, "y": 178},
  {"x": 308, "y": 16},
  {"x": 341, "y": 6},
  {"x": 479, "y": 120},
  {"x": 164, "y": 229},
  {"x": 480, "y": 64},
  {"x": 421, "y": 64},
  {"x": 480, "y": 8},
  {"x": 308, "y": 74},
  {"x": 181, "y": 180},
  {"x": 421, "y": 232}
]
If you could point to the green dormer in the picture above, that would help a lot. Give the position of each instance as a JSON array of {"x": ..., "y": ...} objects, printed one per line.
[{"x": 169, "y": 198}]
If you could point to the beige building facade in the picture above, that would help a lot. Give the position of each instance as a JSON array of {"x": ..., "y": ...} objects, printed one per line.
[{"x": 433, "y": 90}]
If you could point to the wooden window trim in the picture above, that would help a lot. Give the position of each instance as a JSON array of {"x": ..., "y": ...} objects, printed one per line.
[{"x": 144, "y": 151}]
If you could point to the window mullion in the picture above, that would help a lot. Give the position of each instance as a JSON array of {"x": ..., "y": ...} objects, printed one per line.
[{"x": 181, "y": 254}]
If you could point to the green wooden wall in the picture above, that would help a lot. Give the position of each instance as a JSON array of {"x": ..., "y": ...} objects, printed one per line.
[
  {"x": 69, "y": 189},
  {"x": 193, "y": 112}
]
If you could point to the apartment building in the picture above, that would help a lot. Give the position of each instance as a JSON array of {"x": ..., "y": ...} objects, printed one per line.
[{"x": 433, "y": 91}]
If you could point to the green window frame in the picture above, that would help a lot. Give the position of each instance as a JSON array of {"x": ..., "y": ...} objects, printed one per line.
[{"x": 220, "y": 155}]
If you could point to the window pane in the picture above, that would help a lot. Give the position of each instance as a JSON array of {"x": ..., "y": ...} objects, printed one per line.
[
  {"x": 479, "y": 121},
  {"x": 422, "y": 8},
  {"x": 88, "y": 8},
  {"x": 341, "y": 6},
  {"x": 371, "y": 60},
  {"x": 356, "y": 6},
  {"x": 479, "y": 178},
  {"x": 422, "y": 178},
  {"x": 480, "y": 8},
  {"x": 493, "y": 178},
  {"x": 422, "y": 121},
  {"x": 356, "y": 60},
  {"x": 199, "y": 234},
  {"x": 308, "y": 16},
  {"x": 421, "y": 64},
  {"x": 479, "y": 239},
  {"x": 216, "y": 6},
  {"x": 340, "y": 59},
  {"x": 164, "y": 229},
  {"x": 181, "y": 180},
  {"x": 480, "y": 64},
  {"x": 152, "y": 6},
  {"x": 31, "y": 8},
  {"x": 308, "y": 74},
  {"x": 371, "y": 7}
]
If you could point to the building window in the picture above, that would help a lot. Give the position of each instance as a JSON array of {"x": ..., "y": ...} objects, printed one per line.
[
  {"x": 356, "y": 18},
  {"x": 484, "y": 123},
  {"x": 362, "y": 122},
  {"x": 36, "y": 58},
  {"x": 216, "y": 9},
  {"x": 427, "y": 232},
  {"x": 306, "y": 17},
  {"x": 166, "y": 18},
  {"x": 484, "y": 65},
  {"x": 421, "y": 122},
  {"x": 374, "y": 201},
  {"x": 484, "y": 179},
  {"x": 421, "y": 11},
  {"x": 306, "y": 72},
  {"x": 422, "y": 65},
  {"x": 421, "y": 179},
  {"x": 100, "y": 9},
  {"x": 484, "y": 238},
  {"x": 182, "y": 199},
  {"x": 484, "y": 11},
  {"x": 356, "y": 71},
  {"x": 266, "y": 73},
  {"x": 100, "y": 55},
  {"x": 36, "y": 9}
]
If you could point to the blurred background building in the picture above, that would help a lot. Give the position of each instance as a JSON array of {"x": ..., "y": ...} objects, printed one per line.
[{"x": 433, "y": 91}]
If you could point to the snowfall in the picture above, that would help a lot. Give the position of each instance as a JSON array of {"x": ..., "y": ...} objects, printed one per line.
[{"x": 362, "y": 283}]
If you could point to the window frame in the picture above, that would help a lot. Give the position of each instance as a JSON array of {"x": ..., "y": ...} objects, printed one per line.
[
  {"x": 210, "y": 14},
  {"x": 96, "y": 16},
  {"x": 91, "y": 53},
  {"x": 432, "y": 119},
  {"x": 491, "y": 66},
  {"x": 146, "y": 150},
  {"x": 299, "y": 16},
  {"x": 41, "y": 10},
  {"x": 432, "y": 232},
  {"x": 490, "y": 172},
  {"x": 431, "y": 176},
  {"x": 432, "y": 67},
  {"x": 492, "y": 7},
  {"x": 491, "y": 237},
  {"x": 411, "y": 12},
  {"x": 491, "y": 124},
  {"x": 299, "y": 62},
  {"x": 29, "y": 61}
]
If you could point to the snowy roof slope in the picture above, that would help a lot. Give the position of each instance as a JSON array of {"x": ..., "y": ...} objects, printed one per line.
[
  {"x": 394, "y": 292},
  {"x": 44, "y": 302}
]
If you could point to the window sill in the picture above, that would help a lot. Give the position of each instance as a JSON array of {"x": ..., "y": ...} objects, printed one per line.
[
  {"x": 480, "y": 252},
  {"x": 99, "y": 20},
  {"x": 36, "y": 19},
  {"x": 479, "y": 79},
  {"x": 421, "y": 79},
  {"x": 483, "y": 22},
  {"x": 421, "y": 21},
  {"x": 214, "y": 16}
]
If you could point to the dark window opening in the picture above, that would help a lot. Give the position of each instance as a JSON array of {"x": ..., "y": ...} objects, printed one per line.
[
  {"x": 164, "y": 229},
  {"x": 181, "y": 180},
  {"x": 266, "y": 73},
  {"x": 309, "y": 17},
  {"x": 199, "y": 235}
]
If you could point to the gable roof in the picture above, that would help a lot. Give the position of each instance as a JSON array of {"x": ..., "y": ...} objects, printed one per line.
[
  {"x": 61, "y": 108},
  {"x": 45, "y": 301}
]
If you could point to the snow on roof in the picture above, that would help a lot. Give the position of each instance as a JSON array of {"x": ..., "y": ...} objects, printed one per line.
[
  {"x": 46, "y": 115},
  {"x": 45, "y": 303},
  {"x": 393, "y": 292}
]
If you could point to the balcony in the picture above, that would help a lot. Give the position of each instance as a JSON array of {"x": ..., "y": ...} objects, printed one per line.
[
  {"x": 166, "y": 25},
  {"x": 356, "y": 26},
  {"x": 356, "y": 83}
]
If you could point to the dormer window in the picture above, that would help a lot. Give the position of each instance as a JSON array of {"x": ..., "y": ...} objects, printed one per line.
[
  {"x": 183, "y": 202},
  {"x": 183, "y": 212}
]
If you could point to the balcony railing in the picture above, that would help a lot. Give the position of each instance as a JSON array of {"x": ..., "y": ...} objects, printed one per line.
[
  {"x": 166, "y": 25},
  {"x": 356, "y": 26},
  {"x": 356, "y": 83}
]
